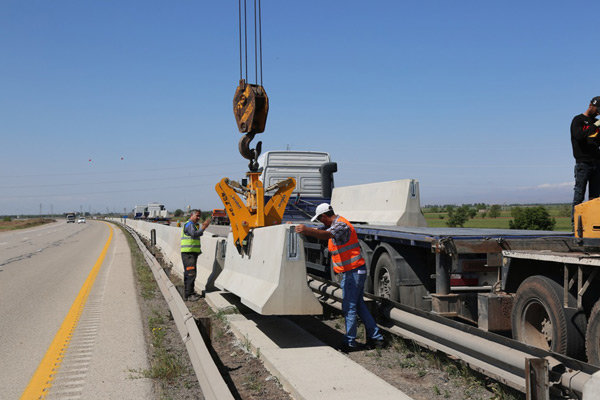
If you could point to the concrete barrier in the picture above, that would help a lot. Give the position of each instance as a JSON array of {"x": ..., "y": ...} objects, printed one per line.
[
  {"x": 168, "y": 238},
  {"x": 382, "y": 203},
  {"x": 271, "y": 280}
]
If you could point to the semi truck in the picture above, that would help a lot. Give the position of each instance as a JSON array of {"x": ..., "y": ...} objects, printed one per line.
[
  {"x": 540, "y": 287},
  {"x": 154, "y": 212},
  {"x": 313, "y": 172}
]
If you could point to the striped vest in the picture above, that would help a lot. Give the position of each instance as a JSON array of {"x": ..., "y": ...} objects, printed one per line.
[
  {"x": 347, "y": 256},
  {"x": 189, "y": 245}
]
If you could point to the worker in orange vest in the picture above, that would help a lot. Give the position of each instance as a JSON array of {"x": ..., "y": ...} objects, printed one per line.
[{"x": 346, "y": 259}]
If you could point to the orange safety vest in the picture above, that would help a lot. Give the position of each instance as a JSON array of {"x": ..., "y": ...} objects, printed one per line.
[{"x": 347, "y": 256}]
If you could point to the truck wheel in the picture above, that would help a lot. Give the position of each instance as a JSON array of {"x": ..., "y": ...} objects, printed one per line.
[
  {"x": 539, "y": 319},
  {"x": 592, "y": 337},
  {"x": 385, "y": 278}
]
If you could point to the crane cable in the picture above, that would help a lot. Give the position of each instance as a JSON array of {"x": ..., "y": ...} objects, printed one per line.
[{"x": 244, "y": 42}]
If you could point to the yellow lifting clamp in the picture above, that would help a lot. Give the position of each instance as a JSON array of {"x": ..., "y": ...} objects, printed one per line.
[{"x": 254, "y": 213}]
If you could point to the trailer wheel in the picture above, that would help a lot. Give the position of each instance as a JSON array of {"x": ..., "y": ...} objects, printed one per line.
[
  {"x": 539, "y": 319},
  {"x": 592, "y": 337},
  {"x": 385, "y": 278}
]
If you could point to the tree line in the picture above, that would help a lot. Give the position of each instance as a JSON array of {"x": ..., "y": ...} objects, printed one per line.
[{"x": 528, "y": 218}]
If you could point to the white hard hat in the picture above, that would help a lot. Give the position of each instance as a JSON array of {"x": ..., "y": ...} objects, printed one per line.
[{"x": 321, "y": 209}]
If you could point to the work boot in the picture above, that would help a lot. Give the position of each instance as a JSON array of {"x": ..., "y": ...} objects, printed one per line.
[
  {"x": 192, "y": 297},
  {"x": 375, "y": 343},
  {"x": 350, "y": 347}
]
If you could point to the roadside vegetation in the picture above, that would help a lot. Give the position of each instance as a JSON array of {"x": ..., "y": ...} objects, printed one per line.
[
  {"x": 170, "y": 368},
  {"x": 555, "y": 217},
  {"x": 10, "y": 224}
]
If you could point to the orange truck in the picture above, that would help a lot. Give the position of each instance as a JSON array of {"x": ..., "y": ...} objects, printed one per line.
[{"x": 219, "y": 217}]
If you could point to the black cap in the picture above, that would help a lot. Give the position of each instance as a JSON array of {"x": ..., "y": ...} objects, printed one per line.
[{"x": 595, "y": 101}]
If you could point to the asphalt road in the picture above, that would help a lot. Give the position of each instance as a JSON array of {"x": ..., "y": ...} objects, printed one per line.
[{"x": 43, "y": 271}]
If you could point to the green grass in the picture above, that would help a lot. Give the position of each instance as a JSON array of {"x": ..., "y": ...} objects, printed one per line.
[
  {"x": 144, "y": 273},
  {"x": 557, "y": 211},
  {"x": 164, "y": 364}
]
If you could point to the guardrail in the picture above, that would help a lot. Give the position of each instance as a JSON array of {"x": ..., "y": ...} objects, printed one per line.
[
  {"x": 503, "y": 359},
  {"x": 211, "y": 382}
]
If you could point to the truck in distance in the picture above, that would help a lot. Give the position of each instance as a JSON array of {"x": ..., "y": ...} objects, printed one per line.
[{"x": 219, "y": 217}]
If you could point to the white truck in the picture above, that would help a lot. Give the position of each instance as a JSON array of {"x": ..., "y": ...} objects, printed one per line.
[{"x": 313, "y": 172}]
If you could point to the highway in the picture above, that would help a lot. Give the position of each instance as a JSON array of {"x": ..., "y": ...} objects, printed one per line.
[{"x": 69, "y": 285}]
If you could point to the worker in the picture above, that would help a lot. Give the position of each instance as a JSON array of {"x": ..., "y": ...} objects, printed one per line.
[
  {"x": 190, "y": 250},
  {"x": 585, "y": 140},
  {"x": 346, "y": 259}
]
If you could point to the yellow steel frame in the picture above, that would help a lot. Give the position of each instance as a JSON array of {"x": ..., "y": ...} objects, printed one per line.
[
  {"x": 254, "y": 213},
  {"x": 589, "y": 215}
]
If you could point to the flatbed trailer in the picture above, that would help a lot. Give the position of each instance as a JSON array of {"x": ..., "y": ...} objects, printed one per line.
[
  {"x": 557, "y": 299},
  {"x": 541, "y": 287}
]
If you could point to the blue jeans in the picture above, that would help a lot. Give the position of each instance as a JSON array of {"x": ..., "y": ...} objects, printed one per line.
[
  {"x": 587, "y": 174},
  {"x": 353, "y": 304}
]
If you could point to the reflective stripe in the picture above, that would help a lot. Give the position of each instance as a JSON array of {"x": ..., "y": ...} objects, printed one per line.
[
  {"x": 348, "y": 256},
  {"x": 350, "y": 261},
  {"x": 345, "y": 247}
]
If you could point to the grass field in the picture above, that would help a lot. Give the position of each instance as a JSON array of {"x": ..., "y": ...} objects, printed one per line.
[
  {"x": 23, "y": 223},
  {"x": 439, "y": 219}
]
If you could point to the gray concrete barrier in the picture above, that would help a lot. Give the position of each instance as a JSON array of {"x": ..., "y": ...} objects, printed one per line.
[
  {"x": 210, "y": 262},
  {"x": 271, "y": 280}
]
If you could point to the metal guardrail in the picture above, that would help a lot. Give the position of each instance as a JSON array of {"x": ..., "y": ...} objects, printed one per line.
[
  {"x": 211, "y": 382},
  {"x": 504, "y": 360}
]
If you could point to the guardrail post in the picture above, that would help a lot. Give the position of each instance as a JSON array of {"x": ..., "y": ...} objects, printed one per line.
[{"x": 536, "y": 379}]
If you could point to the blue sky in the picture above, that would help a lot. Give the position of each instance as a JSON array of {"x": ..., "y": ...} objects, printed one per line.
[{"x": 474, "y": 99}]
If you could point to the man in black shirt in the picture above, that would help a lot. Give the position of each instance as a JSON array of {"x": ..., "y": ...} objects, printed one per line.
[{"x": 585, "y": 139}]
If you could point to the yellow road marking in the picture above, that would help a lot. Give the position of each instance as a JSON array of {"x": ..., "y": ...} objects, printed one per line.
[{"x": 42, "y": 379}]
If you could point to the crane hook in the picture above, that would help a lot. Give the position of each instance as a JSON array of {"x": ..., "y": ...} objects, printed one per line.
[{"x": 248, "y": 153}]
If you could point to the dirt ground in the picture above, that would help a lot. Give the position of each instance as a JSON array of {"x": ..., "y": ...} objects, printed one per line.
[{"x": 420, "y": 373}]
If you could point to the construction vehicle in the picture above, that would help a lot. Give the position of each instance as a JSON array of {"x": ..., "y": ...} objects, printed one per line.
[
  {"x": 541, "y": 286},
  {"x": 480, "y": 276},
  {"x": 219, "y": 217}
]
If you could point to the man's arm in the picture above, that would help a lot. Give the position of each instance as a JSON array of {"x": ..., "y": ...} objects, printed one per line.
[
  {"x": 317, "y": 233},
  {"x": 582, "y": 131},
  {"x": 190, "y": 229}
]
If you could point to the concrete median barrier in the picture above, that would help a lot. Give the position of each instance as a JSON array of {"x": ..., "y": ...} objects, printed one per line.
[
  {"x": 210, "y": 262},
  {"x": 271, "y": 280},
  {"x": 382, "y": 203}
]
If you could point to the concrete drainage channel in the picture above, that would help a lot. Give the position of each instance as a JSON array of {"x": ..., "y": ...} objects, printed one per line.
[{"x": 211, "y": 382}]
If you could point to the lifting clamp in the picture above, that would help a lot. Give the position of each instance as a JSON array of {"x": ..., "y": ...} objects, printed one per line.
[{"x": 253, "y": 214}]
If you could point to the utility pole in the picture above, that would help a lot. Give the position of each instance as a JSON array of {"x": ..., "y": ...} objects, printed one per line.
[{"x": 40, "y": 209}]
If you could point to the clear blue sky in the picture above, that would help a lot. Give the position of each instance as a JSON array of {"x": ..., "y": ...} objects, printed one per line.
[{"x": 474, "y": 99}]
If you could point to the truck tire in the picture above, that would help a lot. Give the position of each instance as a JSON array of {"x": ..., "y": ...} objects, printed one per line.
[
  {"x": 539, "y": 319},
  {"x": 592, "y": 337},
  {"x": 385, "y": 279}
]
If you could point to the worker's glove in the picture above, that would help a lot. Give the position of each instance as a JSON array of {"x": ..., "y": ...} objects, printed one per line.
[{"x": 597, "y": 123}]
